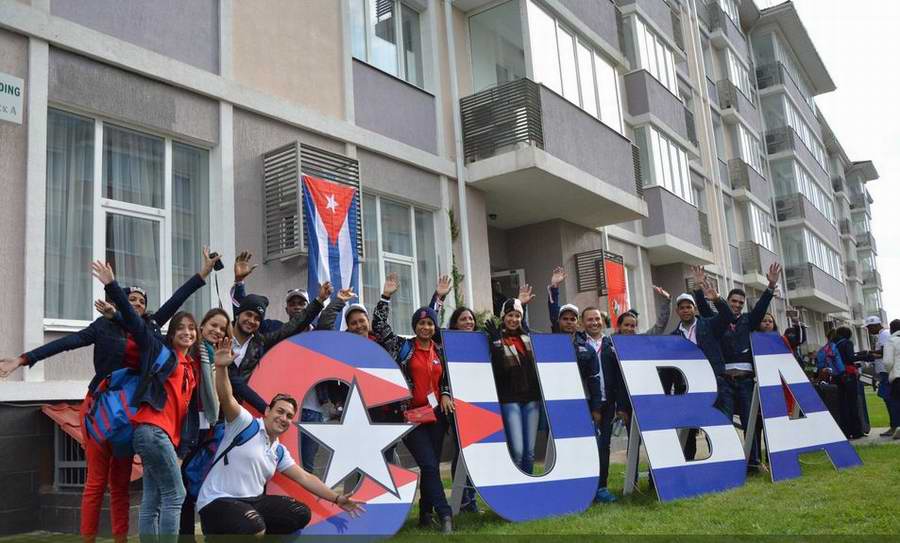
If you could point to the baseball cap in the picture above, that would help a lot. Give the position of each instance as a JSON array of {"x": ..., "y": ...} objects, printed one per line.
[
  {"x": 685, "y": 297},
  {"x": 296, "y": 292},
  {"x": 874, "y": 319}
]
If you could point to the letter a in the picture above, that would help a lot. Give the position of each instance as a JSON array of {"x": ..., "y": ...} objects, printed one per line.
[
  {"x": 569, "y": 486},
  {"x": 787, "y": 438}
]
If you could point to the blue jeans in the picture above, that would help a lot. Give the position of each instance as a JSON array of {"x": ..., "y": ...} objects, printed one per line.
[
  {"x": 604, "y": 437},
  {"x": 425, "y": 443},
  {"x": 521, "y": 422},
  {"x": 884, "y": 392},
  {"x": 164, "y": 493},
  {"x": 736, "y": 395},
  {"x": 309, "y": 446}
]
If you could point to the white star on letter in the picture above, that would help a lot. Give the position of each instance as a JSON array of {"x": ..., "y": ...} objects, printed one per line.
[
  {"x": 332, "y": 204},
  {"x": 357, "y": 444}
]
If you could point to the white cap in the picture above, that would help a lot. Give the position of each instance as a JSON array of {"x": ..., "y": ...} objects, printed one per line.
[
  {"x": 685, "y": 298},
  {"x": 569, "y": 307},
  {"x": 296, "y": 292},
  {"x": 874, "y": 319}
]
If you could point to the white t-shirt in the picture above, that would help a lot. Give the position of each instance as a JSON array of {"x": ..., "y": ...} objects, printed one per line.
[
  {"x": 249, "y": 468},
  {"x": 884, "y": 336}
]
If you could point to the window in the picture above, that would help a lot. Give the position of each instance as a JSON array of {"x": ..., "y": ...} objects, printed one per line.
[
  {"x": 498, "y": 53},
  {"x": 653, "y": 55},
  {"x": 751, "y": 149},
  {"x": 668, "y": 165},
  {"x": 573, "y": 68},
  {"x": 807, "y": 135},
  {"x": 791, "y": 177},
  {"x": 760, "y": 226},
  {"x": 399, "y": 239},
  {"x": 822, "y": 255},
  {"x": 738, "y": 74},
  {"x": 147, "y": 213},
  {"x": 730, "y": 7},
  {"x": 387, "y": 34}
]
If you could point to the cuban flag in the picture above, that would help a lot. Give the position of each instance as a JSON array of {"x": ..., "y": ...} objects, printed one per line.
[{"x": 331, "y": 211}]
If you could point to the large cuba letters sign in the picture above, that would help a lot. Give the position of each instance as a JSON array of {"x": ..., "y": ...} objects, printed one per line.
[{"x": 357, "y": 444}]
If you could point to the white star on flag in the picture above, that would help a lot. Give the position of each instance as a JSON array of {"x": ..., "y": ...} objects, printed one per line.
[
  {"x": 357, "y": 444},
  {"x": 331, "y": 204}
]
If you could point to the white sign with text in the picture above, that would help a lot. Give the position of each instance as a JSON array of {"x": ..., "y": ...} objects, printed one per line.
[{"x": 12, "y": 89}]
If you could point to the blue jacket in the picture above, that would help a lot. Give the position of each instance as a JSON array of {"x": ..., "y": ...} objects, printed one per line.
[
  {"x": 612, "y": 377},
  {"x": 710, "y": 331},
  {"x": 736, "y": 341},
  {"x": 267, "y": 326},
  {"x": 108, "y": 335},
  {"x": 588, "y": 359}
]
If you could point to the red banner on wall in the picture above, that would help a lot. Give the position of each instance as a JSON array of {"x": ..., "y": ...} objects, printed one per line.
[{"x": 616, "y": 292}]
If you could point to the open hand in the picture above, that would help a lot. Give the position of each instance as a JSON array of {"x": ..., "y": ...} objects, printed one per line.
[
  {"x": 353, "y": 507},
  {"x": 242, "y": 266},
  {"x": 709, "y": 290},
  {"x": 224, "y": 355},
  {"x": 346, "y": 294},
  {"x": 105, "y": 308},
  {"x": 559, "y": 275},
  {"x": 444, "y": 285},
  {"x": 773, "y": 274},
  {"x": 661, "y": 292},
  {"x": 391, "y": 284},
  {"x": 325, "y": 291},
  {"x": 526, "y": 294},
  {"x": 699, "y": 275},
  {"x": 103, "y": 272},
  {"x": 9, "y": 365}
]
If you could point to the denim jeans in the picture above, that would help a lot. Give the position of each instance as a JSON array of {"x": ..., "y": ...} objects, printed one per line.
[
  {"x": 308, "y": 446},
  {"x": 521, "y": 422},
  {"x": 892, "y": 405},
  {"x": 604, "y": 437},
  {"x": 425, "y": 443},
  {"x": 164, "y": 492},
  {"x": 736, "y": 395}
]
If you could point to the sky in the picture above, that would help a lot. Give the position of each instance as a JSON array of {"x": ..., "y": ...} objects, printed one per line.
[{"x": 859, "y": 42}]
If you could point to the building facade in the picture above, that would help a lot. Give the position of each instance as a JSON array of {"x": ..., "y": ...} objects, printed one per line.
[{"x": 497, "y": 139}]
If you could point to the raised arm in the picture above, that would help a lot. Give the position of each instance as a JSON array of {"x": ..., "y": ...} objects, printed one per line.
[
  {"x": 314, "y": 485},
  {"x": 329, "y": 317},
  {"x": 553, "y": 305},
  {"x": 663, "y": 306},
  {"x": 301, "y": 321},
  {"x": 197, "y": 281},
  {"x": 76, "y": 340},
  {"x": 227, "y": 402},
  {"x": 759, "y": 310},
  {"x": 242, "y": 268},
  {"x": 444, "y": 284},
  {"x": 722, "y": 320},
  {"x": 381, "y": 318},
  {"x": 700, "y": 300},
  {"x": 132, "y": 322}
]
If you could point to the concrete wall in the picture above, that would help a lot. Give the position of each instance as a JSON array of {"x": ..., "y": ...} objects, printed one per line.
[
  {"x": 536, "y": 248},
  {"x": 397, "y": 180},
  {"x": 394, "y": 108},
  {"x": 581, "y": 140},
  {"x": 481, "y": 251},
  {"x": 253, "y": 136},
  {"x": 13, "y": 153},
  {"x": 26, "y": 460},
  {"x": 669, "y": 214},
  {"x": 119, "y": 95},
  {"x": 647, "y": 95},
  {"x": 599, "y": 16},
  {"x": 671, "y": 278},
  {"x": 292, "y": 50},
  {"x": 574, "y": 239},
  {"x": 658, "y": 11},
  {"x": 185, "y": 31}
]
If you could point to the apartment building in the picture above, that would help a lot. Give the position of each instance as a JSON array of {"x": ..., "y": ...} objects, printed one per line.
[{"x": 499, "y": 138}]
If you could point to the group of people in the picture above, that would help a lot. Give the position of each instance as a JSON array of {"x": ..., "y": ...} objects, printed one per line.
[{"x": 206, "y": 382}]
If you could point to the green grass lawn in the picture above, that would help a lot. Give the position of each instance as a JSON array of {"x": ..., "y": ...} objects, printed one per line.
[
  {"x": 878, "y": 416},
  {"x": 823, "y": 501}
]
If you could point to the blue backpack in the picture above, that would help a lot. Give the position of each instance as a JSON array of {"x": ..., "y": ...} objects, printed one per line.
[
  {"x": 115, "y": 404},
  {"x": 830, "y": 357},
  {"x": 200, "y": 462}
]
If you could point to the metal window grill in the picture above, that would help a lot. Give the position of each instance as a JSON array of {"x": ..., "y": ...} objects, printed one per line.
[
  {"x": 590, "y": 274},
  {"x": 283, "y": 226},
  {"x": 496, "y": 119},
  {"x": 638, "y": 175},
  {"x": 70, "y": 464}
]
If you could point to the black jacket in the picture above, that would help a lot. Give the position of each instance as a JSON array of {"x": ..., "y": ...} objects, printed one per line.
[
  {"x": 736, "y": 341},
  {"x": 710, "y": 333}
]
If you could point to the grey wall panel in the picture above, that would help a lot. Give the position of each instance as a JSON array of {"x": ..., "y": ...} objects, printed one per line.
[
  {"x": 599, "y": 16},
  {"x": 74, "y": 365},
  {"x": 647, "y": 95},
  {"x": 522, "y": 244},
  {"x": 13, "y": 153},
  {"x": 669, "y": 214},
  {"x": 658, "y": 11},
  {"x": 394, "y": 108},
  {"x": 253, "y": 136},
  {"x": 378, "y": 173},
  {"x": 581, "y": 140},
  {"x": 184, "y": 30},
  {"x": 122, "y": 95}
]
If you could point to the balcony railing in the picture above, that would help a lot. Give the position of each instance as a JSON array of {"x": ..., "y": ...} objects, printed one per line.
[
  {"x": 810, "y": 276},
  {"x": 716, "y": 19},
  {"x": 496, "y": 119},
  {"x": 858, "y": 201},
  {"x": 705, "y": 236},
  {"x": 730, "y": 96},
  {"x": 837, "y": 184},
  {"x": 798, "y": 206},
  {"x": 777, "y": 74},
  {"x": 755, "y": 258},
  {"x": 866, "y": 240},
  {"x": 743, "y": 176},
  {"x": 872, "y": 278}
]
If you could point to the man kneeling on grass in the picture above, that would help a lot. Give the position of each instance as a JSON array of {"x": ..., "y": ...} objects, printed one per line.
[{"x": 232, "y": 499}]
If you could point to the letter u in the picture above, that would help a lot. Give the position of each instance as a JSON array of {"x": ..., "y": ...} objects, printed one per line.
[{"x": 569, "y": 486}]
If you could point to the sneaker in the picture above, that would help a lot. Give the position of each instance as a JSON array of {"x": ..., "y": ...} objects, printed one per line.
[
  {"x": 447, "y": 525},
  {"x": 604, "y": 496},
  {"x": 897, "y": 434},
  {"x": 470, "y": 506},
  {"x": 889, "y": 433}
]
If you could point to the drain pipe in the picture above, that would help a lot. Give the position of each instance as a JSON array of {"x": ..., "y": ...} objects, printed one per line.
[{"x": 460, "y": 160}]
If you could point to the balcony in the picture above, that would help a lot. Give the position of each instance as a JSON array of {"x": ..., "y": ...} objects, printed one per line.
[
  {"x": 872, "y": 279},
  {"x": 659, "y": 12},
  {"x": 525, "y": 147},
  {"x": 755, "y": 261},
  {"x": 648, "y": 96},
  {"x": 674, "y": 230},
  {"x": 859, "y": 201},
  {"x": 722, "y": 28},
  {"x": 812, "y": 288},
  {"x": 850, "y": 269},
  {"x": 844, "y": 227},
  {"x": 785, "y": 139},
  {"x": 838, "y": 185},
  {"x": 770, "y": 75},
  {"x": 797, "y": 207},
  {"x": 743, "y": 176},
  {"x": 733, "y": 102},
  {"x": 866, "y": 240}
]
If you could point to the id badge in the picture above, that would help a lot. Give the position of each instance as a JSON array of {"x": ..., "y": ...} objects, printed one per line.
[{"x": 432, "y": 400}]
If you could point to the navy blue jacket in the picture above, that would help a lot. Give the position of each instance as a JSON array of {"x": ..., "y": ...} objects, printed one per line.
[
  {"x": 710, "y": 331},
  {"x": 108, "y": 335},
  {"x": 612, "y": 377},
  {"x": 588, "y": 359},
  {"x": 736, "y": 341}
]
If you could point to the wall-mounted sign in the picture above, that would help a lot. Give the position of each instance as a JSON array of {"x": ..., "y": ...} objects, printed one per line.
[{"x": 12, "y": 89}]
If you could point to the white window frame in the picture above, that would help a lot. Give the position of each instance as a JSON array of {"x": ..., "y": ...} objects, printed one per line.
[
  {"x": 369, "y": 31},
  {"x": 669, "y": 162},
  {"x": 660, "y": 66},
  {"x": 384, "y": 256},
  {"x": 103, "y": 206}
]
